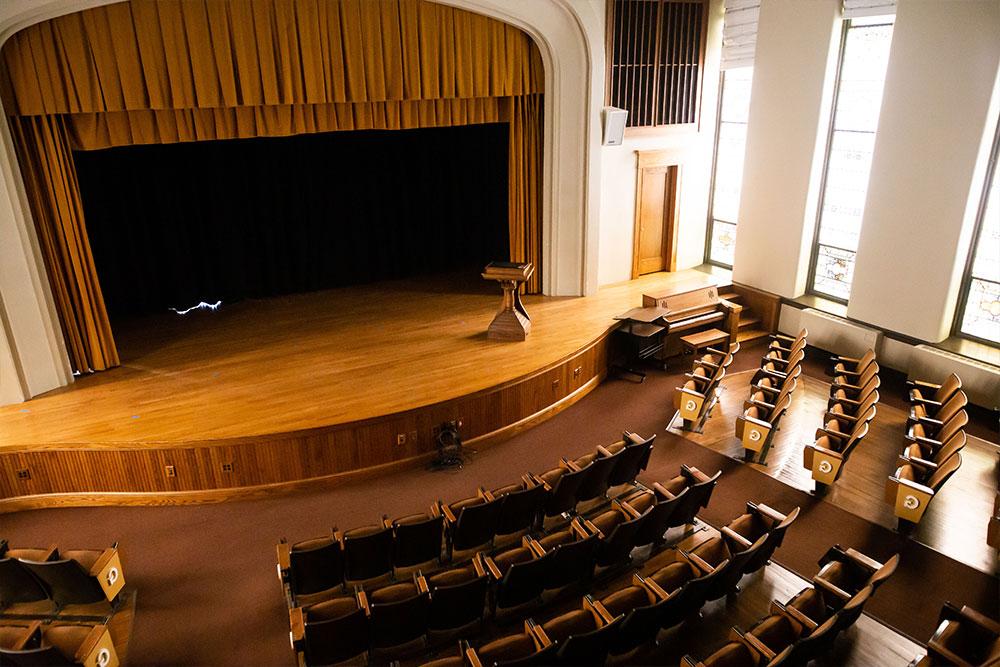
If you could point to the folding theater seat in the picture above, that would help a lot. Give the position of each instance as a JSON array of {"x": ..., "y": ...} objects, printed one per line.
[
  {"x": 368, "y": 553},
  {"x": 931, "y": 423},
  {"x": 730, "y": 654},
  {"x": 728, "y": 557},
  {"x": 845, "y": 572},
  {"x": 818, "y": 641},
  {"x": 640, "y": 610},
  {"x": 571, "y": 554},
  {"x": 851, "y": 368},
  {"x": 776, "y": 370},
  {"x": 827, "y": 456},
  {"x": 787, "y": 344},
  {"x": 931, "y": 440},
  {"x": 458, "y": 659},
  {"x": 964, "y": 637},
  {"x": 397, "y": 613},
  {"x": 417, "y": 542},
  {"x": 840, "y": 401},
  {"x": 616, "y": 529},
  {"x": 470, "y": 524},
  {"x": 933, "y": 395},
  {"x": 758, "y": 521},
  {"x": 597, "y": 469},
  {"x": 562, "y": 484},
  {"x": 696, "y": 488},
  {"x": 81, "y": 581},
  {"x": 909, "y": 492},
  {"x": 57, "y": 644},
  {"x": 525, "y": 648},
  {"x": 925, "y": 459},
  {"x": 696, "y": 398},
  {"x": 522, "y": 509},
  {"x": 330, "y": 632},
  {"x": 660, "y": 505},
  {"x": 678, "y": 579},
  {"x": 582, "y": 636},
  {"x": 20, "y": 592},
  {"x": 761, "y": 417},
  {"x": 634, "y": 458},
  {"x": 519, "y": 575},
  {"x": 312, "y": 569},
  {"x": 458, "y": 600}
]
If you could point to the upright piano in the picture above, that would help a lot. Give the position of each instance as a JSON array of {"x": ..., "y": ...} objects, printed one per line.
[{"x": 652, "y": 332}]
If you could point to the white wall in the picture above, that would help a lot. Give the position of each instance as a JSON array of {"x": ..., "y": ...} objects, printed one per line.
[
  {"x": 938, "y": 118},
  {"x": 690, "y": 148},
  {"x": 794, "y": 65}
]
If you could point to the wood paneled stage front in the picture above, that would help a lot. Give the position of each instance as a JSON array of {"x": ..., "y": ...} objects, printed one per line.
[{"x": 267, "y": 395}]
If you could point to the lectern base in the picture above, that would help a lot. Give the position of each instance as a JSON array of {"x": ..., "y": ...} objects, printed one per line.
[{"x": 509, "y": 325}]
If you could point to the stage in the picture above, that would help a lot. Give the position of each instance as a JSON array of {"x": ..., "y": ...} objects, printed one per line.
[{"x": 267, "y": 395}]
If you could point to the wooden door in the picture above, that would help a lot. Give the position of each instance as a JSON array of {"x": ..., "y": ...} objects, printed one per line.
[{"x": 654, "y": 245}]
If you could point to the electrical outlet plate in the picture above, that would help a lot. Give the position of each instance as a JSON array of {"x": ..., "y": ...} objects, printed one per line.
[{"x": 171, "y": 471}]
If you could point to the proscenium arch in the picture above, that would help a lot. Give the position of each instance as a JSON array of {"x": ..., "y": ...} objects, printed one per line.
[{"x": 570, "y": 184}]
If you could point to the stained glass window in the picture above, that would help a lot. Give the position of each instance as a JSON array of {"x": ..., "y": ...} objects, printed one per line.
[
  {"x": 728, "y": 172},
  {"x": 863, "y": 64},
  {"x": 979, "y": 314}
]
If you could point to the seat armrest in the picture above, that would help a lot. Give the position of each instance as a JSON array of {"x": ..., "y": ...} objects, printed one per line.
[
  {"x": 594, "y": 530},
  {"x": 477, "y": 563},
  {"x": 448, "y": 514},
  {"x": 492, "y": 567},
  {"x": 603, "y": 451},
  {"x": 761, "y": 404},
  {"x": 921, "y": 463},
  {"x": 861, "y": 560},
  {"x": 685, "y": 390},
  {"x": 485, "y": 495},
  {"x": 929, "y": 421},
  {"x": 913, "y": 485},
  {"x": 284, "y": 560},
  {"x": 849, "y": 401},
  {"x": 778, "y": 336},
  {"x": 632, "y": 512},
  {"x": 758, "y": 422},
  {"x": 837, "y": 435},
  {"x": 577, "y": 525},
  {"x": 846, "y": 373},
  {"x": 601, "y": 615},
  {"x": 472, "y": 658},
  {"x": 733, "y": 536},
  {"x": 297, "y": 623},
  {"x": 539, "y": 480},
  {"x": 769, "y": 390},
  {"x": 795, "y": 616},
  {"x": 698, "y": 378},
  {"x": 420, "y": 582},
  {"x": 757, "y": 645},
  {"x": 838, "y": 416},
  {"x": 840, "y": 358},
  {"x": 535, "y": 546},
  {"x": 650, "y": 586},
  {"x": 774, "y": 346},
  {"x": 716, "y": 351},
  {"x": 570, "y": 465},
  {"x": 770, "y": 513},
  {"x": 820, "y": 582},
  {"x": 662, "y": 492},
  {"x": 708, "y": 364},
  {"x": 529, "y": 480},
  {"x": 921, "y": 383},
  {"x": 538, "y": 632},
  {"x": 925, "y": 401},
  {"x": 930, "y": 442},
  {"x": 985, "y": 622}
]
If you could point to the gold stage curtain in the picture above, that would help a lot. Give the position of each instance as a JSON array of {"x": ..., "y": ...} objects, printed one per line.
[
  {"x": 50, "y": 181},
  {"x": 164, "y": 71}
]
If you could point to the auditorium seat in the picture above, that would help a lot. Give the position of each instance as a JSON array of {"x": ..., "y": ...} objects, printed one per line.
[
  {"x": 933, "y": 395},
  {"x": 697, "y": 488},
  {"x": 925, "y": 459},
  {"x": 581, "y": 636},
  {"x": 397, "y": 614},
  {"x": 640, "y": 610},
  {"x": 571, "y": 555},
  {"x": 57, "y": 644},
  {"x": 762, "y": 415},
  {"x": 417, "y": 541},
  {"x": 597, "y": 469},
  {"x": 851, "y": 368},
  {"x": 910, "y": 497},
  {"x": 785, "y": 347},
  {"x": 616, "y": 529},
  {"x": 313, "y": 568},
  {"x": 932, "y": 419},
  {"x": 695, "y": 399},
  {"x": 730, "y": 654},
  {"x": 368, "y": 553},
  {"x": 20, "y": 592},
  {"x": 845, "y": 572},
  {"x": 330, "y": 632},
  {"x": 458, "y": 600},
  {"x": 964, "y": 637},
  {"x": 562, "y": 483},
  {"x": 470, "y": 524},
  {"x": 850, "y": 385},
  {"x": 841, "y": 401},
  {"x": 676, "y": 578},
  {"x": 660, "y": 505},
  {"x": 634, "y": 460},
  {"x": 758, "y": 521},
  {"x": 458, "y": 659},
  {"x": 934, "y": 439},
  {"x": 522, "y": 509},
  {"x": 730, "y": 557},
  {"x": 519, "y": 575},
  {"x": 827, "y": 456},
  {"x": 81, "y": 581},
  {"x": 525, "y": 648}
]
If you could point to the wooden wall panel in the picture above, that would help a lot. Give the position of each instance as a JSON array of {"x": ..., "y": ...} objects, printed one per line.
[{"x": 270, "y": 464}]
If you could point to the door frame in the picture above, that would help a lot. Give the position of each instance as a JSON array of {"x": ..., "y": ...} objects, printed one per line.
[{"x": 654, "y": 160}]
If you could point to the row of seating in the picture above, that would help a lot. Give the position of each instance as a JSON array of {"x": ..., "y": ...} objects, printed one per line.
[
  {"x": 43, "y": 583},
  {"x": 804, "y": 627},
  {"x": 694, "y": 401},
  {"x": 849, "y": 413},
  {"x": 314, "y": 569},
  {"x": 30, "y": 643},
  {"x": 621, "y": 623},
  {"x": 770, "y": 394},
  {"x": 965, "y": 638},
  {"x": 455, "y": 601},
  {"x": 934, "y": 439}
]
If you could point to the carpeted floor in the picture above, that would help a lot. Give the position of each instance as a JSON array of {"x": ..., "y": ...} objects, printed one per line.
[{"x": 206, "y": 577}]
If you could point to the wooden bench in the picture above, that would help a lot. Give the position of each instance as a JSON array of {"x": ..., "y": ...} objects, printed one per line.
[{"x": 702, "y": 339}]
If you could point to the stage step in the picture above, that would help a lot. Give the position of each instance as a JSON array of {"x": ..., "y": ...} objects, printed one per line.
[
  {"x": 748, "y": 321},
  {"x": 731, "y": 296},
  {"x": 751, "y": 334}
]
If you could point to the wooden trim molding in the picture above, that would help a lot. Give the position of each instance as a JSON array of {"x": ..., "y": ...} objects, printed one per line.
[{"x": 263, "y": 466}]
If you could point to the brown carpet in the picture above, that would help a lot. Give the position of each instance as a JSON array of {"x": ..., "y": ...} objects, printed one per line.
[{"x": 205, "y": 575}]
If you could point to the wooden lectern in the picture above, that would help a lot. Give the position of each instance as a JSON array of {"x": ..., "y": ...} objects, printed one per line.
[{"x": 512, "y": 322}]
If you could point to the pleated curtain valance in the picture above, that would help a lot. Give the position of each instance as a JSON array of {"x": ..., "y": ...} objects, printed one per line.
[
  {"x": 188, "y": 54},
  {"x": 163, "y": 71}
]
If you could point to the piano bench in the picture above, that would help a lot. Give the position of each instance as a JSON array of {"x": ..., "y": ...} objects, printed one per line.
[{"x": 702, "y": 339}]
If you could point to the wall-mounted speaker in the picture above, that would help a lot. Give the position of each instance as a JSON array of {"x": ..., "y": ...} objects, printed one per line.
[{"x": 614, "y": 126}]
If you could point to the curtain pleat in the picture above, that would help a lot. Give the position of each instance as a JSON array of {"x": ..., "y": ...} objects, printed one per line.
[
  {"x": 142, "y": 72},
  {"x": 54, "y": 196}
]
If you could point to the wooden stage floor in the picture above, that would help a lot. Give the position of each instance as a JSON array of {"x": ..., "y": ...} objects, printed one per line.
[
  {"x": 955, "y": 522},
  {"x": 306, "y": 361}
]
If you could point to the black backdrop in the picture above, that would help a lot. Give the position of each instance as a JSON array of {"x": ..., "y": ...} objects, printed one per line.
[{"x": 175, "y": 224}]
